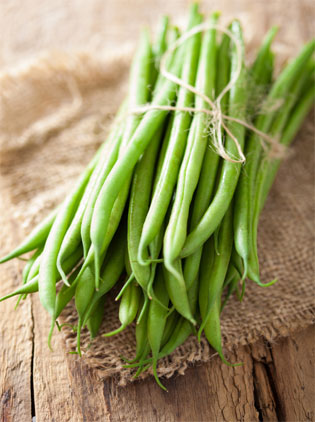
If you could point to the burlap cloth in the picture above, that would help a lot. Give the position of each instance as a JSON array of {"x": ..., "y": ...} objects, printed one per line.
[{"x": 56, "y": 110}]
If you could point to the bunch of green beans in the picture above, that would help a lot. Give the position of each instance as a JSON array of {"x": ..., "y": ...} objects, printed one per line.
[{"x": 158, "y": 212}]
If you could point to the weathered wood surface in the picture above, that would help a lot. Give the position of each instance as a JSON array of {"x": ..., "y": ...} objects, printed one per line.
[{"x": 276, "y": 382}]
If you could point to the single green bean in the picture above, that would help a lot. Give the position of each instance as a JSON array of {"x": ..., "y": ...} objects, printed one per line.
[
  {"x": 95, "y": 320},
  {"x": 157, "y": 320},
  {"x": 128, "y": 308},
  {"x": 220, "y": 266},
  {"x": 177, "y": 291},
  {"x": 111, "y": 271},
  {"x": 159, "y": 48}
]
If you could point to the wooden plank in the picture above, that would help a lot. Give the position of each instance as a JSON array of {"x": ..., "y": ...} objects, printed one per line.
[
  {"x": 293, "y": 375},
  {"x": 64, "y": 390},
  {"x": 275, "y": 384},
  {"x": 207, "y": 392},
  {"x": 16, "y": 337}
]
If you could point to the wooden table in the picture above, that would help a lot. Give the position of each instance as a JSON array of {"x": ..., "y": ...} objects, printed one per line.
[{"x": 276, "y": 382}]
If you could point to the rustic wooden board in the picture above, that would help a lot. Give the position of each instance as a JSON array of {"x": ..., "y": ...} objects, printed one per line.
[{"x": 276, "y": 382}]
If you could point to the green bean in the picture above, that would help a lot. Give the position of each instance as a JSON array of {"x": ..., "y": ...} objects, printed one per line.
[
  {"x": 206, "y": 185},
  {"x": 232, "y": 278},
  {"x": 159, "y": 48},
  {"x": 114, "y": 142},
  {"x": 84, "y": 291},
  {"x": 177, "y": 291},
  {"x": 26, "y": 272},
  {"x": 165, "y": 183},
  {"x": 268, "y": 167},
  {"x": 137, "y": 96},
  {"x": 259, "y": 72},
  {"x": 65, "y": 294},
  {"x": 279, "y": 90},
  {"x": 261, "y": 76},
  {"x": 128, "y": 308},
  {"x": 28, "y": 267},
  {"x": 209, "y": 272},
  {"x": 173, "y": 34},
  {"x": 176, "y": 231},
  {"x": 95, "y": 320},
  {"x": 138, "y": 206},
  {"x": 48, "y": 268},
  {"x": 141, "y": 335},
  {"x": 120, "y": 201},
  {"x": 123, "y": 168},
  {"x": 111, "y": 271},
  {"x": 230, "y": 170},
  {"x": 276, "y": 128},
  {"x": 215, "y": 276},
  {"x": 35, "y": 267},
  {"x": 183, "y": 328},
  {"x": 83, "y": 294},
  {"x": 155, "y": 246},
  {"x": 157, "y": 320},
  {"x": 139, "y": 81},
  {"x": 32, "y": 285},
  {"x": 213, "y": 331},
  {"x": 231, "y": 273},
  {"x": 35, "y": 239},
  {"x": 76, "y": 233}
]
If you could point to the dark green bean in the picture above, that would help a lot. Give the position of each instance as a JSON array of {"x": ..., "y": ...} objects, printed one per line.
[
  {"x": 215, "y": 276},
  {"x": 128, "y": 308},
  {"x": 95, "y": 320},
  {"x": 157, "y": 320},
  {"x": 111, "y": 271}
]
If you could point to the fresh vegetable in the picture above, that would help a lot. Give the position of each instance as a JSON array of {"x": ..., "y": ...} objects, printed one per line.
[{"x": 161, "y": 212}]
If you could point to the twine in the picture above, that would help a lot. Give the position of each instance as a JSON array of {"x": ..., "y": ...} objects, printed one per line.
[{"x": 218, "y": 117}]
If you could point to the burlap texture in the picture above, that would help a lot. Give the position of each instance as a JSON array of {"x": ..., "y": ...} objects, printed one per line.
[{"x": 56, "y": 110}]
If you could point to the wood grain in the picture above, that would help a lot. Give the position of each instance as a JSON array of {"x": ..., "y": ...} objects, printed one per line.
[
  {"x": 16, "y": 340},
  {"x": 64, "y": 390},
  {"x": 260, "y": 390}
]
